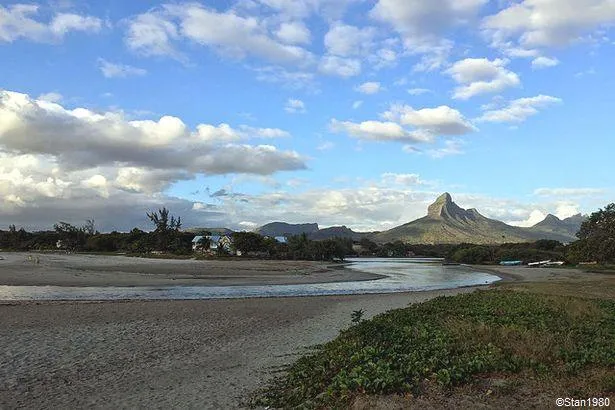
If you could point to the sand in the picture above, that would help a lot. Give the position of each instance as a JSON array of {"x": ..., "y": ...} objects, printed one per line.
[
  {"x": 165, "y": 354},
  {"x": 170, "y": 354},
  {"x": 99, "y": 270}
]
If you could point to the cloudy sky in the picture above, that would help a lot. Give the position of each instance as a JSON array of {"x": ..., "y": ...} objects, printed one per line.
[{"x": 357, "y": 112}]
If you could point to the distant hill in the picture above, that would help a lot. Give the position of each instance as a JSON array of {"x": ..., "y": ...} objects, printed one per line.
[
  {"x": 312, "y": 231},
  {"x": 337, "y": 232},
  {"x": 446, "y": 222},
  {"x": 213, "y": 231},
  {"x": 286, "y": 229},
  {"x": 564, "y": 230}
]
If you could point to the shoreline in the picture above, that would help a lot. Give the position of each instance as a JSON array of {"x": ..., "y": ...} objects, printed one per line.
[{"x": 172, "y": 353}]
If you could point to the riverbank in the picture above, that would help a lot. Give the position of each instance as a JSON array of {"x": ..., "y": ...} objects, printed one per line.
[
  {"x": 33, "y": 269},
  {"x": 542, "y": 274},
  {"x": 166, "y": 354}
]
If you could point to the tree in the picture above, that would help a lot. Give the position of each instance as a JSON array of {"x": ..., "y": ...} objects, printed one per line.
[
  {"x": 597, "y": 236},
  {"x": 90, "y": 227},
  {"x": 248, "y": 242},
  {"x": 72, "y": 238},
  {"x": 166, "y": 232}
]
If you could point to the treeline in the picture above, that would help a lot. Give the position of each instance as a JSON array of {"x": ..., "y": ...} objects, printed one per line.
[
  {"x": 596, "y": 243},
  {"x": 297, "y": 247}
]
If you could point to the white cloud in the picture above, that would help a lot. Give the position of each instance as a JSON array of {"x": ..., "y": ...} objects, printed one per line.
[
  {"x": 295, "y": 106},
  {"x": 325, "y": 146},
  {"x": 370, "y": 87},
  {"x": 52, "y": 97},
  {"x": 481, "y": 76},
  {"x": 419, "y": 91},
  {"x": 519, "y": 110},
  {"x": 423, "y": 25},
  {"x": 375, "y": 130},
  {"x": 357, "y": 104},
  {"x": 391, "y": 178},
  {"x": 230, "y": 34},
  {"x": 451, "y": 147},
  {"x": 417, "y": 19},
  {"x": 534, "y": 217},
  {"x": 427, "y": 123},
  {"x": 113, "y": 70},
  {"x": 16, "y": 21},
  {"x": 294, "y": 32},
  {"x": 153, "y": 34},
  {"x": 547, "y": 23},
  {"x": 339, "y": 66},
  {"x": 81, "y": 138},
  {"x": 442, "y": 120},
  {"x": 568, "y": 192},
  {"x": 544, "y": 62},
  {"x": 330, "y": 9},
  {"x": 290, "y": 79},
  {"x": 348, "y": 41}
]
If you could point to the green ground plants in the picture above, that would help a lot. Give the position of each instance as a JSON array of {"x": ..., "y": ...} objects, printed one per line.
[{"x": 448, "y": 342}]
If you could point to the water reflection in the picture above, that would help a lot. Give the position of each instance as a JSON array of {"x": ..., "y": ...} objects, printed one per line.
[{"x": 402, "y": 275}]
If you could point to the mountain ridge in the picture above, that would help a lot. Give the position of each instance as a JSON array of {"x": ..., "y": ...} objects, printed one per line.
[{"x": 445, "y": 222}]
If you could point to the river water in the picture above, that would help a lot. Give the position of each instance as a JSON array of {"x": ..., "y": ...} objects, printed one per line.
[{"x": 400, "y": 275}]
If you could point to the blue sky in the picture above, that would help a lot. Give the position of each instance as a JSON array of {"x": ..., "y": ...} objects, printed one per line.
[{"x": 354, "y": 112}]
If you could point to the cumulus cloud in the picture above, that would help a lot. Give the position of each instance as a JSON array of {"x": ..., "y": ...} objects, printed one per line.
[
  {"x": 295, "y": 106},
  {"x": 442, "y": 120},
  {"x": 74, "y": 164},
  {"x": 481, "y": 76},
  {"x": 546, "y": 23},
  {"x": 347, "y": 41},
  {"x": 544, "y": 62},
  {"x": 80, "y": 137},
  {"x": 18, "y": 21},
  {"x": 233, "y": 35},
  {"x": 295, "y": 32},
  {"x": 339, "y": 66},
  {"x": 115, "y": 70},
  {"x": 375, "y": 130},
  {"x": 370, "y": 87},
  {"x": 519, "y": 110},
  {"x": 423, "y": 25},
  {"x": 52, "y": 97},
  {"x": 426, "y": 124}
]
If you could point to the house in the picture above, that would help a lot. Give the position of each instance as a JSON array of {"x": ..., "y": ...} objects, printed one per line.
[
  {"x": 281, "y": 239},
  {"x": 215, "y": 242}
]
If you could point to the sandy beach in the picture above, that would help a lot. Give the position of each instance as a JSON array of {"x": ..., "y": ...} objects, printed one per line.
[
  {"x": 169, "y": 354},
  {"x": 28, "y": 269}
]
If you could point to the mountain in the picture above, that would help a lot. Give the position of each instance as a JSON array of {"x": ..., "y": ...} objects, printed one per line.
[
  {"x": 563, "y": 230},
  {"x": 286, "y": 229},
  {"x": 336, "y": 232},
  {"x": 446, "y": 222},
  {"x": 312, "y": 231}
]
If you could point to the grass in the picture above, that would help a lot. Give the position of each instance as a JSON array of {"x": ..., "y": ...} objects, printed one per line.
[{"x": 431, "y": 350}]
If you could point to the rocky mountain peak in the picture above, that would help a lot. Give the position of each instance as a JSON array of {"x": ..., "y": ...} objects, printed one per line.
[{"x": 444, "y": 207}]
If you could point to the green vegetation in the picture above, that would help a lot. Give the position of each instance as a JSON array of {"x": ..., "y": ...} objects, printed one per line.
[
  {"x": 596, "y": 238},
  {"x": 450, "y": 341}
]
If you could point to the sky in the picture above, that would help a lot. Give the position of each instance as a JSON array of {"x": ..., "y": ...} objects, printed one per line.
[{"x": 237, "y": 113}]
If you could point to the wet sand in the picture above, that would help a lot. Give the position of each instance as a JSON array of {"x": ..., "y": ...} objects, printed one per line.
[{"x": 22, "y": 269}]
